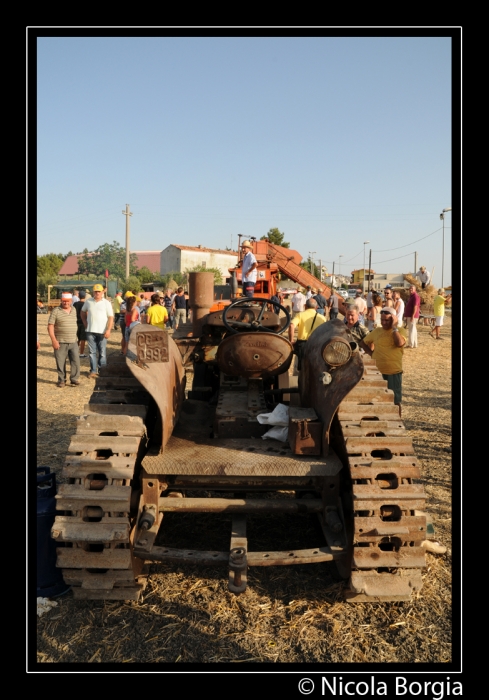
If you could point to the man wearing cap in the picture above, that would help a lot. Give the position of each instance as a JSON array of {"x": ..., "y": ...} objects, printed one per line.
[
  {"x": 117, "y": 307},
  {"x": 298, "y": 302},
  {"x": 62, "y": 331},
  {"x": 98, "y": 318},
  {"x": 355, "y": 329},
  {"x": 424, "y": 276},
  {"x": 385, "y": 344},
  {"x": 308, "y": 291},
  {"x": 306, "y": 322},
  {"x": 248, "y": 270},
  {"x": 439, "y": 312}
]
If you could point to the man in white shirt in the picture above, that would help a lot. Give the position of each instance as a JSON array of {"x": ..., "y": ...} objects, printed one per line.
[
  {"x": 98, "y": 318},
  {"x": 424, "y": 276},
  {"x": 361, "y": 306},
  {"x": 298, "y": 302},
  {"x": 248, "y": 270}
]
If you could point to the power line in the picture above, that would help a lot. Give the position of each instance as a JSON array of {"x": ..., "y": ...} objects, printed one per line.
[{"x": 387, "y": 250}]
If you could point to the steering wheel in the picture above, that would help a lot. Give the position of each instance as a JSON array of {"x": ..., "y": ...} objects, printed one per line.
[{"x": 235, "y": 326}]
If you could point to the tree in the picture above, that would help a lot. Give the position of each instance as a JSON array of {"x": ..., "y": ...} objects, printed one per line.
[
  {"x": 132, "y": 284},
  {"x": 109, "y": 256},
  {"x": 313, "y": 269},
  {"x": 275, "y": 237},
  {"x": 201, "y": 268},
  {"x": 145, "y": 275},
  {"x": 49, "y": 265},
  {"x": 43, "y": 282}
]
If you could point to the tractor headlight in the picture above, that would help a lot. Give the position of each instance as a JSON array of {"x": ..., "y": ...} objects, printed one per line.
[{"x": 337, "y": 352}]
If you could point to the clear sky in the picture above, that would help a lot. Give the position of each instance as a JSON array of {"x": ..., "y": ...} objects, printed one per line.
[{"x": 334, "y": 140}]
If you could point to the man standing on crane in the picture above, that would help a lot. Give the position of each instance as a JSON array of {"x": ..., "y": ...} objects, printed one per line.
[{"x": 248, "y": 270}]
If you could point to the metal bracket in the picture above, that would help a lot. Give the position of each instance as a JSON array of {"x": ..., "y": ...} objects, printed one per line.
[{"x": 238, "y": 565}]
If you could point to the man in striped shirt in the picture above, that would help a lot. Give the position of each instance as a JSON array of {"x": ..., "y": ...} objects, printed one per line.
[{"x": 62, "y": 328}]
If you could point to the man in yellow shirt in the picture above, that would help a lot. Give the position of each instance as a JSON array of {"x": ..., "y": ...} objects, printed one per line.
[
  {"x": 439, "y": 311},
  {"x": 306, "y": 322},
  {"x": 117, "y": 307},
  {"x": 385, "y": 345}
]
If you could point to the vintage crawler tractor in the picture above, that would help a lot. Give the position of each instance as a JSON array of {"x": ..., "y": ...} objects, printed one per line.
[{"x": 146, "y": 444}]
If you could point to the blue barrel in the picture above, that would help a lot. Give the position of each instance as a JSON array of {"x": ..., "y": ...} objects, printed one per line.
[{"x": 49, "y": 579}]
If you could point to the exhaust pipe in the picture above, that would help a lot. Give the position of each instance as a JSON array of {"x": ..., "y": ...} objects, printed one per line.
[{"x": 201, "y": 297}]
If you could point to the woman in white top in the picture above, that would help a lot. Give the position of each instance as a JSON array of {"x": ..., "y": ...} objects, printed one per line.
[
  {"x": 374, "y": 312},
  {"x": 399, "y": 307}
]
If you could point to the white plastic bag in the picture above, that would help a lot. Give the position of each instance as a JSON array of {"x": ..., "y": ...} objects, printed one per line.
[
  {"x": 277, "y": 433},
  {"x": 279, "y": 416}
]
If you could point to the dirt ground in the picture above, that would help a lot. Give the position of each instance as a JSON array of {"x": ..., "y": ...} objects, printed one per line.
[{"x": 287, "y": 614}]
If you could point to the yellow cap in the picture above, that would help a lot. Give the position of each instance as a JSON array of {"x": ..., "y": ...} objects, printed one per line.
[{"x": 98, "y": 288}]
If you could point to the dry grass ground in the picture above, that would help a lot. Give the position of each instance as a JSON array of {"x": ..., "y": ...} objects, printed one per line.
[{"x": 287, "y": 614}]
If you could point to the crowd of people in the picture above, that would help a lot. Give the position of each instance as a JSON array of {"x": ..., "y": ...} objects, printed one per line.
[
  {"x": 83, "y": 320},
  {"x": 383, "y": 325}
]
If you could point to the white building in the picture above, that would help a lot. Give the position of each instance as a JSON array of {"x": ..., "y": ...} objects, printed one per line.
[
  {"x": 180, "y": 258},
  {"x": 378, "y": 281}
]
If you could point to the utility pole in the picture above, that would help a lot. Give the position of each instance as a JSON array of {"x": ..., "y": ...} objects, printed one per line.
[
  {"x": 369, "y": 268},
  {"x": 127, "y": 214},
  {"x": 442, "y": 217},
  {"x": 364, "y": 244},
  {"x": 311, "y": 253}
]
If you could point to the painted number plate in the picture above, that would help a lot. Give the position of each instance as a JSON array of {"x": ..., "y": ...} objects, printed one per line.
[{"x": 152, "y": 346}]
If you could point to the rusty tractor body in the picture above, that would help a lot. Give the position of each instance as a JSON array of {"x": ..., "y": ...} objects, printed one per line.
[{"x": 148, "y": 445}]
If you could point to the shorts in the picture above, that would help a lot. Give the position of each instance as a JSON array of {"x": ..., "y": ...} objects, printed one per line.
[
  {"x": 128, "y": 329},
  {"x": 180, "y": 316},
  {"x": 438, "y": 321},
  {"x": 80, "y": 331},
  {"x": 394, "y": 382}
]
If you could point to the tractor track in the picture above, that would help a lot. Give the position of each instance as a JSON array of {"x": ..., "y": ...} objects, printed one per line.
[
  {"x": 382, "y": 503},
  {"x": 386, "y": 506}
]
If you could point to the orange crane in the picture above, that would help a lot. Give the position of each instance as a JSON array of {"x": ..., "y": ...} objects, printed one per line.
[{"x": 274, "y": 260}]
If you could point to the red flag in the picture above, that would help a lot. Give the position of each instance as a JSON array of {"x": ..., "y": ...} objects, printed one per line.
[{"x": 106, "y": 273}]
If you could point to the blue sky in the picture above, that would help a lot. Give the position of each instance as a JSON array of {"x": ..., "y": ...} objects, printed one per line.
[{"x": 334, "y": 140}]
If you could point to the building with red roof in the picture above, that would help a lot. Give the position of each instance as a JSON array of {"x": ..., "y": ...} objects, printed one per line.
[{"x": 144, "y": 258}]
